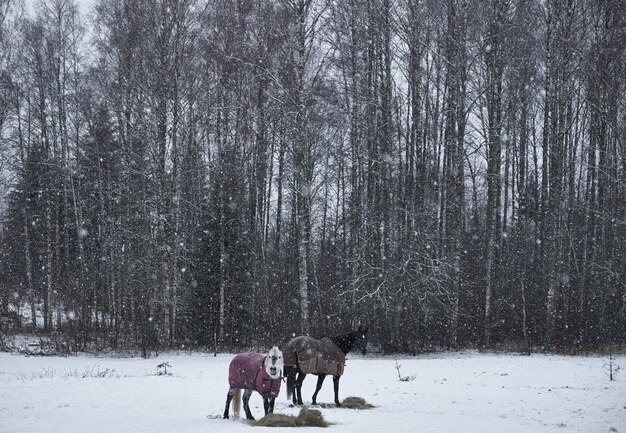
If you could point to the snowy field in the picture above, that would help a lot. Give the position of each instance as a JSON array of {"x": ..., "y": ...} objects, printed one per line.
[{"x": 464, "y": 392}]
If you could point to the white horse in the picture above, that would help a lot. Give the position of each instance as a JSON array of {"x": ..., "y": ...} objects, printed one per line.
[{"x": 254, "y": 372}]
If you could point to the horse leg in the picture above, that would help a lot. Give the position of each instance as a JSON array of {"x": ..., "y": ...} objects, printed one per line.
[
  {"x": 272, "y": 399},
  {"x": 266, "y": 405},
  {"x": 336, "y": 386},
  {"x": 320, "y": 381},
  {"x": 292, "y": 384},
  {"x": 290, "y": 372},
  {"x": 246, "y": 399},
  {"x": 299, "y": 381},
  {"x": 229, "y": 397}
]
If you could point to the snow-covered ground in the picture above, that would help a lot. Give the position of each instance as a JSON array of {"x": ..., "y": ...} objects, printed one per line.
[{"x": 462, "y": 392}]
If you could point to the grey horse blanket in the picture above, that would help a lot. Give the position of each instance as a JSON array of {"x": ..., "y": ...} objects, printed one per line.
[{"x": 315, "y": 356}]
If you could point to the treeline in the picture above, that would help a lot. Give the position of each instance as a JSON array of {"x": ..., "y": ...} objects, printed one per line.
[{"x": 230, "y": 172}]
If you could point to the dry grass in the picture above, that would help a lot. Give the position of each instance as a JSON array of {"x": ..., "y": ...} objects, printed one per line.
[
  {"x": 276, "y": 420},
  {"x": 349, "y": 403},
  {"x": 306, "y": 418},
  {"x": 356, "y": 403}
]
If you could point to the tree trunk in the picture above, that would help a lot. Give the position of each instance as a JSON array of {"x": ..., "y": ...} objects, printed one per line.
[{"x": 495, "y": 69}]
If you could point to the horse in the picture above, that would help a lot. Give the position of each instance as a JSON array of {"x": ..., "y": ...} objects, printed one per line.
[
  {"x": 305, "y": 355},
  {"x": 254, "y": 372}
]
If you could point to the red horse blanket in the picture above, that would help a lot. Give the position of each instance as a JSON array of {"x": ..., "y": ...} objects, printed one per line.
[{"x": 246, "y": 372}]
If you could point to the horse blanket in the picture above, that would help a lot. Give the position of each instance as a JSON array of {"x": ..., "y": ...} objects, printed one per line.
[
  {"x": 246, "y": 371},
  {"x": 315, "y": 356}
]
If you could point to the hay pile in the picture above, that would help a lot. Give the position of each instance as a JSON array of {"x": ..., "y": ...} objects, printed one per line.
[
  {"x": 355, "y": 403},
  {"x": 306, "y": 418}
]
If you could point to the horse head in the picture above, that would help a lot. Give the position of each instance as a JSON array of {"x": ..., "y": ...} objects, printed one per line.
[
  {"x": 361, "y": 339},
  {"x": 274, "y": 363}
]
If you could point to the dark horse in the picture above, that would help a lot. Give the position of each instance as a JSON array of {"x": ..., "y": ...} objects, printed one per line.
[{"x": 305, "y": 355}]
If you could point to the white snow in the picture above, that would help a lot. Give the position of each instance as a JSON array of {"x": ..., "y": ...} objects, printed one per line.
[{"x": 461, "y": 392}]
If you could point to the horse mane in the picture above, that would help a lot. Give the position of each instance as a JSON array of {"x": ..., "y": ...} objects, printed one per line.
[{"x": 346, "y": 342}]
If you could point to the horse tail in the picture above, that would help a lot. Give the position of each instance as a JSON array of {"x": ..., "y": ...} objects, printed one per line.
[
  {"x": 290, "y": 374},
  {"x": 237, "y": 402}
]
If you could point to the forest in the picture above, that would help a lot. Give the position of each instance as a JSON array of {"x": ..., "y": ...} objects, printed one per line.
[{"x": 228, "y": 173}]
